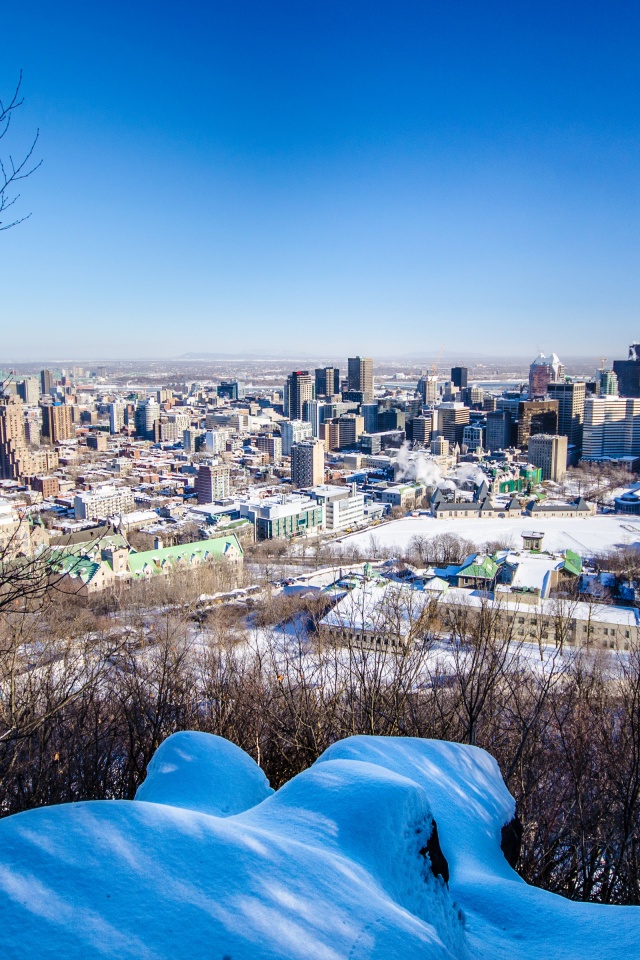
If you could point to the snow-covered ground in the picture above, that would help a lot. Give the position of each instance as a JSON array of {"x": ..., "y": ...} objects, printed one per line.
[
  {"x": 341, "y": 862},
  {"x": 586, "y": 536}
]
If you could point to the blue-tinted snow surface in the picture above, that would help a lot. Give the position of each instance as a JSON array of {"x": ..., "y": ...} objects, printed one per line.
[{"x": 207, "y": 862}]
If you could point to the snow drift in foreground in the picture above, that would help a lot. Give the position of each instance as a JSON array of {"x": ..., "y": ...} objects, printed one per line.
[{"x": 345, "y": 861}]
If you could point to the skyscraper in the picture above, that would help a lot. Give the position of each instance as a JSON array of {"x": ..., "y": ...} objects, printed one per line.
[
  {"x": 459, "y": 377},
  {"x": 298, "y": 389},
  {"x": 541, "y": 372},
  {"x": 327, "y": 381},
  {"x": 46, "y": 381},
  {"x": 570, "y": 397},
  {"x": 550, "y": 454},
  {"x": 628, "y": 372},
  {"x": 360, "y": 376},
  {"x": 57, "y": 424},
  {"x": 307, "y": 463}
]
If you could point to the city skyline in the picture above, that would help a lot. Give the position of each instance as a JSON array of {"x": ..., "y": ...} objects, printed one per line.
[{"x": 279, "y": 174}]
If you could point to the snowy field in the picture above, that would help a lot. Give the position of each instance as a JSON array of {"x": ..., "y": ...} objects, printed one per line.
[
  {"x": 342, "y": 862},
  {"x": 585, "y": 536}
]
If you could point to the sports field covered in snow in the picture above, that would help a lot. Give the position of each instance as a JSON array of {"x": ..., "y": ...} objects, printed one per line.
[
  {"x": 586, "y": 536},
  {"x": 344, "y": 861}
]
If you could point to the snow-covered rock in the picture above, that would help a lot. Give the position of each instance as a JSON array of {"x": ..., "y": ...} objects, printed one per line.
[
  {"x": 199, "y": 771},
  {"x": 340, "y": 864}
]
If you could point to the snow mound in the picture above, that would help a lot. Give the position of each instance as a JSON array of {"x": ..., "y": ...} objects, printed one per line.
[
  {"x": 342, "y": 863},
  {"x": 199, "y": 771}
]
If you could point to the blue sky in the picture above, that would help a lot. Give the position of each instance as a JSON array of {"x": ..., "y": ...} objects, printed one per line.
[{"x": 324, "y": 177}]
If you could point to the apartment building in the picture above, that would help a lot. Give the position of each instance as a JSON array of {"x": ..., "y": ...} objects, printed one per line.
[
  {"x": 107, "y": 501},
  {"x": 307, "y": 463}
]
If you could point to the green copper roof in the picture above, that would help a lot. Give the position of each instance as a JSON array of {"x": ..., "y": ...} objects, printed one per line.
[
  {"x": 572, "y": 563},
  {"x": 156, "y": 561},
  {"x": 482, "y": 568}
]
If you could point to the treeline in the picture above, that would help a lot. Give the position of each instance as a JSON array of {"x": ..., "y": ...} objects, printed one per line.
[{"x": 81, "y": 716}]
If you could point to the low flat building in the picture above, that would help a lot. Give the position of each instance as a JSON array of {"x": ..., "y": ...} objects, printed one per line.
[{"x": 287, "y": 515}]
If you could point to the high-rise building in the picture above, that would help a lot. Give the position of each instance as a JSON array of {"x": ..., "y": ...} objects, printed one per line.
[
  {"x": 360, "y": 376},
  {"x": 46, "y": 381},
  {"x": 298, "y": 389},
  {"x": 542, "y": 372},
  {"x": 473, "y": 437},
  {"x": 29, "y": 391},
  {"x": 459, "y": 376},
  {"x": 212, "y": 483},
  {"x": 428, "y": 389},
  {"x": 271, "y": 444},
  {"x": 536, "y": 416},
  {"x": 57, "y": 423},
  {"x": 327, "y": 381},
  {"x": 294, "y": 431},
  {"x": 570, "y": 397},
  {"x": 342, "y": 432},
  {"x": 147, "y": 412},
  {"x": 313, "y": 413},
  {"x": 369, "y": 413},
  {"x": 499, "y": 424},
  {"x": 116, "y": 417},
  {"x": 550, "y": 454},
  {"x": 607, "y": 383},
  {"x": 628, "y": 372},
  {"x": 422, "y": 430},
  {"x": 231, "y": 389},
  {"x": 611, "y": 428},
  {"x": 452, "y": 419},
  {"x": 307, "y": 463}
]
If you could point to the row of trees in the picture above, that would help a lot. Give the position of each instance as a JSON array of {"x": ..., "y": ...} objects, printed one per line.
[{"x": 87, "y": 699}]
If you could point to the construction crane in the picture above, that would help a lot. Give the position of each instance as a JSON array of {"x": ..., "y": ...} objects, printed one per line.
[
  {"x": 603, "y": 360},
  {"x": 437, "y": 361}
]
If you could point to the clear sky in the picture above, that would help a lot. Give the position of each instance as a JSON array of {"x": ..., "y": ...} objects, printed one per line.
[{"x": 324, "y": 176}]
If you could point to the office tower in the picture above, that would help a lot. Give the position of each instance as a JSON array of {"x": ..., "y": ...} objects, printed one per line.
[
  {"x": 428, "y": 389},
  {"x": 369, "y": 413},
  {"x": 231, "y": 389},
  {"x": 607, "y": 383},
  {"x": 212, "y": 483},
  {"x": 293, "y": 431},
  {"x": 327, "y": 381},
  {"x": 628, "y": 372},
  {"x": 459, "y": 377},
  {"x": 57, "y": 424},
  {"x": 147, "y": 412},
  {"x": 611, "y": 428},
  {"x": 499, "y": 424},
  {"x": 360, "y": 376},
  {"x": 452, "y": 419},
  {"x": 298, "y": 389},
  {"x": 29, "y": 391},
  {"x": 391, "y": 419},
  {"x": 116, "y": 417},
  {"x": 422, "y": 429},
  {"x": 46, "y": 381},
  {"x": 307, "y": 463},
  {"x": 313, "y": 413},
  {"x": 473, "y": 437},
  {"x": 536, "y": 416},
  {"x": 550, "y": 454},
  {"x": 570, "y": 397},
  {"x": 542, "y": 371},
  {"x": 342, "y": 432}
]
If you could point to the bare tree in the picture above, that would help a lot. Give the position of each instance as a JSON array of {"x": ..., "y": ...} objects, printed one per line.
[{"x": 12, "y": 170}]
